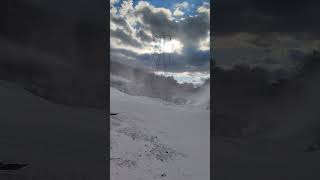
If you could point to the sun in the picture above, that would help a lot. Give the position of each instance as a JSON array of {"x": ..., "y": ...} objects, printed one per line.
[{"x": 166, "y": 46}]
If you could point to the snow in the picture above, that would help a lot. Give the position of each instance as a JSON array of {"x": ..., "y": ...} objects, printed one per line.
[
  {"x": 153, "y": 139},
  {"x": 150, "y": 138},
  {"x": 255, "y": 157},
  {"x": 58, "y": 142}
]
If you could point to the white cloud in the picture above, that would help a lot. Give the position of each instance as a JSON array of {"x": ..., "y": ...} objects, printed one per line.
[
  {"x": 178, "y": 12},
  {"x": 132, "y": 29},
  {"x": 182, "y": 5},
  {"x": 204, "y": 8},
  {"x": 113, "y": 2},
  {"x": 113, "y": 26},
  {"x": 126, "y": 8},
  {"x": 179, "y": 7},
  {"x": 113, "y": 10},
  {"x": 142, "y": 5},
  {"x": 204, "y": 44}
]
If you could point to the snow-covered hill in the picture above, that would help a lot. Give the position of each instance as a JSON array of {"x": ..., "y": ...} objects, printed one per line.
[
  {"x": 154, "y": 139},
  {"x": 58, "y": 142},
  {"x": 264, "y": 159}
]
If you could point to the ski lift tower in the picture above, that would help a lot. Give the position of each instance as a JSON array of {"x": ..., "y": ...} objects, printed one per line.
[{"x": 161, "y": 53}]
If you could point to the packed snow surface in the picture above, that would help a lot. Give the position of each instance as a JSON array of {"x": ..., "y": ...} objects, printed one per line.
[{"x": 153, "y": 139}]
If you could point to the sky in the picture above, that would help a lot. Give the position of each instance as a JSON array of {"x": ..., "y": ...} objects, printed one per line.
[
  {"x": 245, "y": 30},
  {"x": 186, "y": 25}
]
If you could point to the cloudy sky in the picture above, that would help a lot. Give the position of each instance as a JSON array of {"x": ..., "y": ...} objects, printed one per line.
[
  {"x": 134, "y": 24},
  {"x": 245, "y": 30}
]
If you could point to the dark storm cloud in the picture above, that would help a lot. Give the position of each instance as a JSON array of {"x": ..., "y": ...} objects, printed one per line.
[
  {"x": 125, "y": 38},
  {"x": 264, "y": 41},
  {"x": 144, "y": 19},
  {"x": 190, "y": 30},
  {"x": 289, "y": 17},
  {"x": 156, "y": 22},
  {"x": 194, "y": 28},
  {"x": 243, "y": 30},
  {"x": 144, "y": 36},
  {"x": 190, "y": 60},
  {"x": 94, "y": 11},
  {"x": 130, "y": 58},
  {"x": 128, "y": 53},
  {"x": 121, "y": 22},
  {"x": 47, "y": 32},
  {"x": 195, "y": 58},
  {"x": 57, "y": 44}
]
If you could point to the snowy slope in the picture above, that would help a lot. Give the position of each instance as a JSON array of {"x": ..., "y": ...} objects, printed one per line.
[
  {"x": 256, "y": 158},
  {"x": 58, "y": 142},
  {"x": 152, "y": 139}
]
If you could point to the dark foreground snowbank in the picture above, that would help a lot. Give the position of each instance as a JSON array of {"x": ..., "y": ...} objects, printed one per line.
[{"x": 58, "y": 142}]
